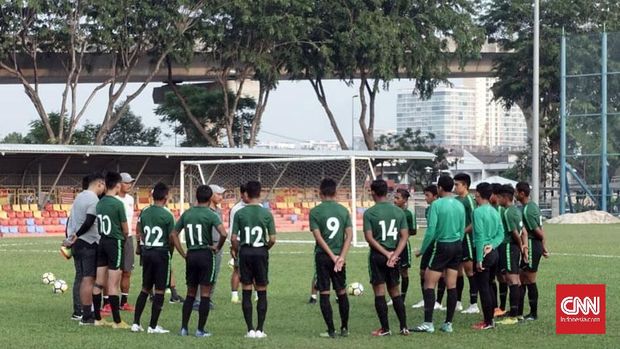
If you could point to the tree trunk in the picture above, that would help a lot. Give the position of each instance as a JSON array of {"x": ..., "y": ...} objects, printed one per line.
[
  {"x": 317, "y": 85},
  {"x": 368, "y": 130},
  {"x": 263, "y": 97}
]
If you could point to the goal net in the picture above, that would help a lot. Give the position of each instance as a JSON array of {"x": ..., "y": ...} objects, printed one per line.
[{"x": 290, "y": 186}]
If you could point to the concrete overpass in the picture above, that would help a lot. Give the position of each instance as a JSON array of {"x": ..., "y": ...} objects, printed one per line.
[{"x": 97, "y": 68}]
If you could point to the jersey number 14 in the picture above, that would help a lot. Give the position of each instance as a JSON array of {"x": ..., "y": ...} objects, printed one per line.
[{"x": 390, "y": 231}]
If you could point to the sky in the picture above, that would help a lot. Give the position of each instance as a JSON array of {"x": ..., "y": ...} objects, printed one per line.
[{"x": 293, "y": 113}]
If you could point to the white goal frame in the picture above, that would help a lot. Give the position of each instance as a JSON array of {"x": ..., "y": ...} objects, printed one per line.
[{"x": 352, "y": 171}]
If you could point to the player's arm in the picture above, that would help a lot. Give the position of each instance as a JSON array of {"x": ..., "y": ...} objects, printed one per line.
[
  {"x": 234, "y": 237},
  {"x": 178, "y": 228},
  {"x": 411, "y": 222},
  {"x": 86, "y": 225},
  {"x": 220, "y": 229},
  {"x": 429, "y": 234},
  {"x": 272, "y": 232},
  {"x": 348, "y": 238},
  {"x": 371, "y": 240},
  {"x": 138, "y": 237},
  {"x": 323, "y": 245},
  {"x": 402, "y": 243}
]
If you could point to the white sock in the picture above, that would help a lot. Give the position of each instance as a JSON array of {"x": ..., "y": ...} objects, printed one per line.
[
  {"x": 235, "y": 293},
  {"x": 313, "y": 296}
]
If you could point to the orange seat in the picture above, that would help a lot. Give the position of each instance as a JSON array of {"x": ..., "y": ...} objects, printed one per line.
[
  {"x": 38, "y": 221},
  {"x": 54, "y": 214},
  {"x": 11, "y": 214},
  {"x": 19, "y": 214},
  {"x": 6, "y": 208},
  {"x": 28, "y": 214},
  {"x": 4, "y": 221},
  {"x": 22, "y": 229},
  {"x": 47, "y": 221},
  {"x": 62, "y": 214},
  {"x": 45, "y": 214}
]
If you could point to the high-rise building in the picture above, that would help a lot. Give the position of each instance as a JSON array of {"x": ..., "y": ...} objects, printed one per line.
[{"x": 464, "y": 115}]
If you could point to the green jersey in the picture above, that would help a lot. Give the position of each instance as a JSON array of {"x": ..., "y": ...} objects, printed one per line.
[
  {"x": 511, "y": 219},
  {"x": 198, "y": 222},
  {"x": 331, "y": 219},
  {"x": 252, "y": 224},
  {"x": 470, "y": 204},
  {"x": 385, "y": 220},
  {"x": 446, "y": 222},
  {"x": 532, "y": 219},
  {"x": 156, "y": 224},
  {"x": 487, "y": 228},
  {"x": 412, "y": 224},
  {"x": 111, "y": 214}
]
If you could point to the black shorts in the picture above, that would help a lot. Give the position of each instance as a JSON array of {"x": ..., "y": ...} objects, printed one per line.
[
  {"x": 445, "y": 255},
  {"x": 426, "y": 257},
  {"x": 380, "y": 273},
  {"x": 534, "y": 253},
  {"x": 200, "y": 268},
  {"x": 405, "y": 257},
  {"x": 467, "y": 248},
  {"x": 155, "y": 268},
  {"x": 85, "y": 258},
  {"x": 254, "y": 266},
  {"x": 325, "y": 274},
  {"x": 509, "y": 258},
  {"x": 110, "y": 253}
]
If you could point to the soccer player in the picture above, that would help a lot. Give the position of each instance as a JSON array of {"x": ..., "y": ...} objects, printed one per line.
[
  {"x": 313, "y": 290},
  {"x": 444, "y": 235},
  {"x": 510, "y": 251},
  {"x": 155, "y": 224},
  {"x": 234, "y": 277},
  {"x": 488, "y": 235},
  {"x": 330, "y": 223},
  {"x": 430, "y": 195},
  {"x": 500, "y": 307},
  {"x": 535, "y": 249},
  {"x": 462, "y": 181},
  {"x": 197, "y": 224},
  {"x": 128, "y": 259},
  {"x": 84, "y": 233},
  {"x": 386, "y": 231},
  {"x": 401, "y": 198},
  {"x": 113, "y": 229},
  {"x": 254, "y": 234}
]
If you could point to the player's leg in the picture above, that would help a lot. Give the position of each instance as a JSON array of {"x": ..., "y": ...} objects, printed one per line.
[
  {"x": 115, "y": 262},
  {"x": 423, "y": 264},
  {"x": 482, "y": 279},
  {"x": 247, "y": 282},
  {"x": 339, "y": 282},
  {"x": 323, "y": 265},
  {"x": 100, "y": 282},
  {"x": 468, "y": 269},
  {"x": 77, "y": 263},
  {"x": 313, "y": 289},
  {"x": 261, "y": 280},
  {"x": 192, "y": 281},
  {"x": 529, "y": 277},
  {"x": 434, "y": 271},
  {"x": 234, "y": 282},
  {"x": 207, "y": 280},
  {"x": 162, "y": 275},
  {"x": 218, "y": 263},
  {"x": 175, "y": 297},
  {"x": 397, "y": 299},
  {"x": 88, "y": 261},
  {"x": 377, "y": 267},
  {"x": 441, "y": 290},
  {"x": 128, "y": 265},
  {"x": 460, "y": 286},
  {"x": 148, "y": 278},
  {"x": 453, "y": 257},
  {"x": 405, "y": 264},
  {"x": 511, "y": 270}
]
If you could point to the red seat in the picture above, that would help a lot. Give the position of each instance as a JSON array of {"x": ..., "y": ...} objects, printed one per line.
[
  {"x": 54, "y": 214},
  {"x": 47, "y": 221},
  {"x": 55, "y": 221},
  {"x": 19, "y": 214},
  {"x": 28, "y": 214},
  {"x": 22, "y": 229},
  {"x": 11, "y": 214},
  {"x": 38, "y": 221},
  {"x": 4, "y": 221},
  {"x": 13, "y": 221},
  {"x": 45, "y": 214},
  {"x": 48, "y": 207},
  {"x": 7, "y": 208},
  {"x": 62, "y": 214}
]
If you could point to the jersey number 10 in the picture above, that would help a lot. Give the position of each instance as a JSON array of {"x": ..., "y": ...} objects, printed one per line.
[{"x": 105, "y": 224}]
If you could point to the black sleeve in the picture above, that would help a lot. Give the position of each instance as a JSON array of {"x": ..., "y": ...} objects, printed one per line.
[{"x": 88, "y": 222}]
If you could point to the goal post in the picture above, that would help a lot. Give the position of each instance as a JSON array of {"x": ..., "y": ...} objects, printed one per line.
[{"x": 290, "y": 186}]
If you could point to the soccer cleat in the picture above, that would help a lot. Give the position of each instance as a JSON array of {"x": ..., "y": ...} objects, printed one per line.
[
  {"x": 530, "y": 317},
  {"x": 344, "y": 332},
  {"x": 472, "y": 309},
  {"x": 176, "y": 299},
  {"x": 121, "y": 326},
  {"x": 260, "y": 334},
  {"x": 76, "y": 317},
  {"x": 184, "y": 332},
  {"x": 499, "y": 312},
  {"x": 438, "y": 306},
  {"x": 459, "y": 306},
  {"x": 234, "y": 299},
  {"x": 312, "y": 300},
  {"x": 424, "y": 327},
  {"x": 199, "y": 333},
  {"x": 404, "y": 331},
  {"x": 483, "y": 326},
  {"x": 127, "y": 307},
  {"x": 136, "y": 328},
  {"x": 103, "y": 322},
  {"x": 381, "y": 333},
  {"x": 251, "y": 334},
  {"x": 390, "y": 302},
  {"x": 106, "y": 309},
  {"x": 419, "y": 305},
  {"x": 87, "y": 322},
  {"x": 328, "y": 335},
  {"x": 508, "y": 321},
  {"x": 446, "y": 327},
  {"x": 255, "y": 296}
]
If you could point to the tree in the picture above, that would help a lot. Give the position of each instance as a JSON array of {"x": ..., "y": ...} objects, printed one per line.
[
  {"x": 377, "y": 41},
  {"x": 129, "y": 131},
  {"x": 208, "y": 111},
  {"x": 415, "y": 141},
  {"x": 14, "y": 138}
]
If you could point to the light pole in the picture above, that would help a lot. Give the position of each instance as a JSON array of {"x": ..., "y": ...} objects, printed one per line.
[
  {"x": 353, "y": 121},
  {"x": 535, "y": 107}
]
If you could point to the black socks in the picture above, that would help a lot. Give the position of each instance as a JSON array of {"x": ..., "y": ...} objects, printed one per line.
[
  {"x": 203, "y": 312},
  {"x": 460, "y": 285},
  {"x": 187, "y": 311},
  {"x": 452, "y": 299},
  {"x": 343, "y": 308},
  {"x": 140, "y": 304},
  {"x": 158, "y": 304},
  {"x": 382, "y": 312},
  {"x": 261, "y": 309},
  {"x": 429, "y": 304},
  {"x": 532, "y": 295},
  {"x": 326, "y": 310},
  {"x": 116, "y": 309},
  {"x": 246, "y": 305}
]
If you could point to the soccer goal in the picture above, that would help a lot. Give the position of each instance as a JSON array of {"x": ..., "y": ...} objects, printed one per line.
[{"x": 290, "y": 185}]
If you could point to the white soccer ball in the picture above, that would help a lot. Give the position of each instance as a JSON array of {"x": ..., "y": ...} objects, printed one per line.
[
  {"x": 355, "y": 289},
  {"x": 231, "y": 263},
  {"x": 60, "y": 286},
  {"x": 48, "y": 278}
]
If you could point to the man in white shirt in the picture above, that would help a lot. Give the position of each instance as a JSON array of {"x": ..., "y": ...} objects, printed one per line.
[
  {"x": 234, "y": 278},
  {"x": 128, "y": 261}
]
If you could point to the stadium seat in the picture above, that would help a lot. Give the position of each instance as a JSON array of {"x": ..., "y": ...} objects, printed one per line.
[
  {"x": 54, "y": 214},
  {"x": 22, "y": 229},
  {"x": 31, "y": 229},
  {"x": 4, "y": 229},
  {"x": 6, "y": 208},
  {"x": 45, "y": 214},
  {"x": 28, "y": 214},
  {"x": 33, "y": 207},
  {"x": 65, "y": 207},
  {"x": 36, "y": 214},
  {"x": 16, "y": 207},
  {"x": 11, "y": 214},
  {"x": 38, "y": 221},
  {"x": 63, "y": 221},
  {"x": 62, "y": 214},
  {"x": 56, "y": 207},
  {"x": 30, "y": 221},
  {"x": 19, "y": 214},
  {"x": 48, "y": 207},
  {"x": 13, "y": 230},
  {"x": 4, "y": 215},
  {"x": 39, "y": 229}
]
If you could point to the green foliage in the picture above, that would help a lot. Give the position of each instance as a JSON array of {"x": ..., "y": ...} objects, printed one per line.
[
  {"x": 207, "y": 106},
  {"x": 415, "y": 141}
]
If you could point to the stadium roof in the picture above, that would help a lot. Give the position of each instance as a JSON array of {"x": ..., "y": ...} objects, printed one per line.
[{"x": 197, "y": 153}]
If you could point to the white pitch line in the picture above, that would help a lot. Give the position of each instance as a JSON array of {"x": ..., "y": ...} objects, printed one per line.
[{"x": 585, "y": 255}]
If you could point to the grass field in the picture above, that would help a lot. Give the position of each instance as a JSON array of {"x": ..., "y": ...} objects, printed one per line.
[{"x": 31, "y": 316}]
